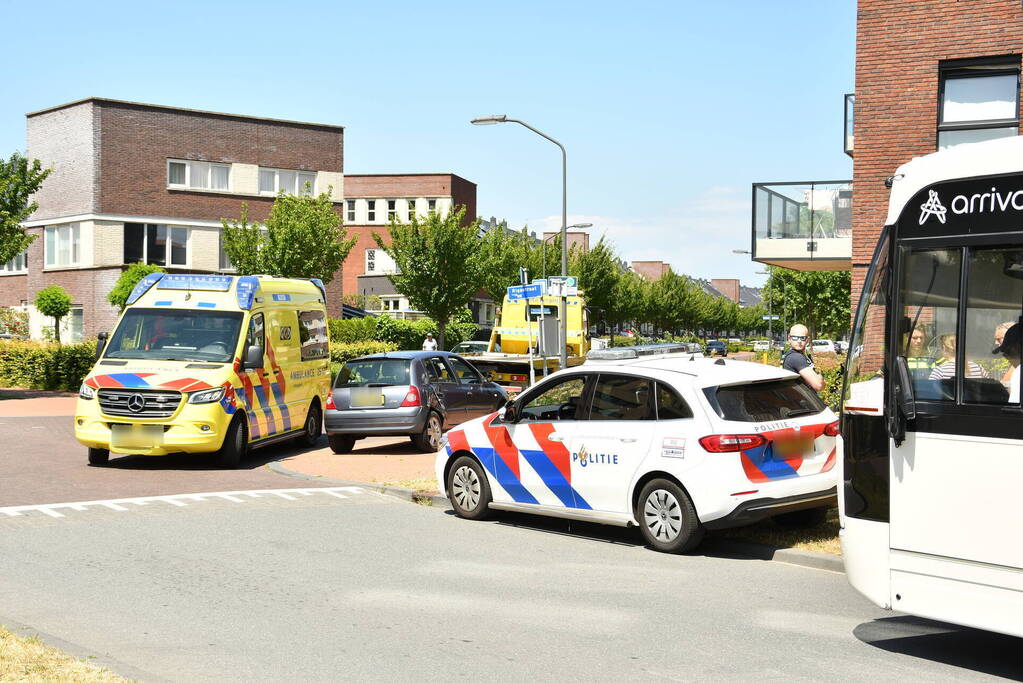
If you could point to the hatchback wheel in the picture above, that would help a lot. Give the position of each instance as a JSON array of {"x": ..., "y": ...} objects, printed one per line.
[
  {"x": 98, "y": 456},
  {"x": 340, "y": 443},
  {"x": 667, "y": 518},
  {"x": 468, "y": 489},
  {"x": 428, "y": 440}
]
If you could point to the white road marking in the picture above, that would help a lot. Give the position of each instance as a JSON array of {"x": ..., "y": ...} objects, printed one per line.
[{"x": 177, "y": 500}]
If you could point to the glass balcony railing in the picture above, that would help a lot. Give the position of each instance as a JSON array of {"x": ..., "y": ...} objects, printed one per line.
[
  {"x": 850, "y": 104},
  {"x": 803, "y": 225}
]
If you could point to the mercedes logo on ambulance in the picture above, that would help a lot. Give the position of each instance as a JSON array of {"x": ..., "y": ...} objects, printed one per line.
[{"x": 136, "y": 403}]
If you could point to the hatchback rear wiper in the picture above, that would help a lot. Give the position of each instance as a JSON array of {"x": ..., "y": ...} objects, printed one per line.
[{"x": 807, "y": 411}]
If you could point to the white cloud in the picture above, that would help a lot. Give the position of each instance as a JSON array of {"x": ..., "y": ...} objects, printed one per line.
[{"x": 696, "y": 236}]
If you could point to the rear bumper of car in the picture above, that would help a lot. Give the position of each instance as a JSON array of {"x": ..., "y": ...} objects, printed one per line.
[
  {"x": 752, "y": 511},
  {"x": 379, "y": 422}
]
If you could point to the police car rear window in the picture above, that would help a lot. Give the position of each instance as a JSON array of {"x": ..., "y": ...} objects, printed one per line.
[
  {"x": 374, "y": 372},
  {"x": 764, "y": 401}
]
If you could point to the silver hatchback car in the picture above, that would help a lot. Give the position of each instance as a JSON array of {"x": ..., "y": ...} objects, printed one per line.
[{"x": 417, "y": 394}]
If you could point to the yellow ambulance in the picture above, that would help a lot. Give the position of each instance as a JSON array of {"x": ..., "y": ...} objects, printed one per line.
[{"x": 208, "y": 364}]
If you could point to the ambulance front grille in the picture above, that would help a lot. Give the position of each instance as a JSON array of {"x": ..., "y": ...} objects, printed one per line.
[{"x": 138, "y": 402}]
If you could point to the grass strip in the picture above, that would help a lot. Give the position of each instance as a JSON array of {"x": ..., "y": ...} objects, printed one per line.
[{"x": 26, "y": 658}]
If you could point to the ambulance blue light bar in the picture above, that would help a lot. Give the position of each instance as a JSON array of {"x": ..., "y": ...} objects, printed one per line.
[
  {"x": 319, "y": 284},
  {"x": 634, "y": 352},
  {"x": 204, "y": 283},
  {"x": 143, "y": 286},
  {"x": 246, "y": 291}
]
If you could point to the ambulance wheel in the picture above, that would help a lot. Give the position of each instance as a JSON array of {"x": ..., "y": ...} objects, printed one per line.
[
  {"x": 99, "y": 456},
  {"x": 428, "y": 441},
  {"x": 468, "y": 489},
  {"x": 340, "y": 444},
  {"x": 313, "y": 426},
  {"x": 230, "y": 454},
  {"x": 667, "y": 518},
  {"x": 802, "y": 519}
]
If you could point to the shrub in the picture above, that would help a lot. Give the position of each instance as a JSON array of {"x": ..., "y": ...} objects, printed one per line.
[
  {"x": 352, "y": 330},
  {"x": 339, "y": 353},
  {"x": 34, "y": 365},
  {"x": 407, "y": 335},
  {"x": 118, "y": 296},
  {"x": 13, "y": 321}
]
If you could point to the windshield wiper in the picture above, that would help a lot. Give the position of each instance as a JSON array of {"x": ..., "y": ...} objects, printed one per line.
[{"x": 807, "y": 411}]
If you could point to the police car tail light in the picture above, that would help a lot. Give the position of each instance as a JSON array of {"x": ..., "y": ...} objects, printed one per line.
[
  {"x": 330, "y": 402},
  {"x": 832, "y": 429},
  {"x": 730, "y": 443},
  {"x": 412, "y": 398}
]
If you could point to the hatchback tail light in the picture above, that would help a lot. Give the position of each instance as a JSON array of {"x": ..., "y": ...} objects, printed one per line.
[
  {"x": 730, "y": 443},
  {"x": 832, "y": 429},
  {"x": 412, "y": 398},
  {"x": 330, "y": 402}
]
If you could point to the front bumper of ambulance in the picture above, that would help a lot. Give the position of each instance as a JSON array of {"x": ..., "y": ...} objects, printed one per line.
[{"x": 188, "y": 428}]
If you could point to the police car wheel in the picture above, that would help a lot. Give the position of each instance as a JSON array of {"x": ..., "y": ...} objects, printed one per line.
[
  {"x": 98, "y": 456},
  {"x": 468, "y": 489},
  {"x": 313, "y": 426},
  {"x": 667, "y": 518},
  {"x": 233, "y": 449},
  {"x": 428, "y": 440}
]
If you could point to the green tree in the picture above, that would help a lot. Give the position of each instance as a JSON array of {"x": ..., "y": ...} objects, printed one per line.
[
  {"x": 670, "y": 298},
  {"x": 302, "y": 238},
  {"x": 818, "y": 299},
  {"x": 118, "y": 296},
  {"x": 439, "y": 263},
  {"x": 629, "y": 299},
  {"x": 55, "y": 303},
  {"x": 504, "y": 252},
  {"x": 598, "y": 273},
  {"x": 19, "y": 179}
]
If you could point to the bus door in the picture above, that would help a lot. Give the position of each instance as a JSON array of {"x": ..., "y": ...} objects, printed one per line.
[{"x": 957, "y": 475}]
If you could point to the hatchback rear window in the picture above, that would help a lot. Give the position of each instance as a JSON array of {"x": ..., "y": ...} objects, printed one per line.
[
  {"x": 765, "y": 401},
  {"x": 374, "y": 372}
]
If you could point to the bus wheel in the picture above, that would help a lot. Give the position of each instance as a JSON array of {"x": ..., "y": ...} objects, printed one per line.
[
  {"x": 667, "y": 518},
  {"x": 313, "y": 426},
  {"x": 230, "y": 454},
  {"x": 98, "y": 456}
]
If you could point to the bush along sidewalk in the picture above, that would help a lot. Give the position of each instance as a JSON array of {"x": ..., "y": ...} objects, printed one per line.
[{"x": 35, "y": 365}]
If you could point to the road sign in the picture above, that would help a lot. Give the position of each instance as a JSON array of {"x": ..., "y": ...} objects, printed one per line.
[
  {"x": 563, "y": 285},
  {"x": 771, "y": 317},
  {"x": 520, "y": 292}
]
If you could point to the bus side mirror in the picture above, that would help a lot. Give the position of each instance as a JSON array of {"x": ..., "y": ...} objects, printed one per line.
[
  {"x": 904, "y": 388},
  {"x": 101, "y": 344},
  {"x": 253, "y": 358}
]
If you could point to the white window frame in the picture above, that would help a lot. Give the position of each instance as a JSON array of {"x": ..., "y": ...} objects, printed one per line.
[
  {"x": 168, "y": 264},
  {"x": 431, "y": 205},
  {"x": 74, "y": 245},
  {"x": 16, "y": 266},
  {"x": 299, "y": 182},
  {"x": 350, "y": 210},
  {"x": 410, "y": 204},
  {"x": 392, "y": 209},
  {"x": 371, "y": 211},
  {"x": 193, "y": 169}
]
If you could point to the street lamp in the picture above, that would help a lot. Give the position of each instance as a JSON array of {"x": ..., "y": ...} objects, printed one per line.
[
  {"x": 501, "y": 118},
  {"x": 742, "y": 251},
  {"x": 564, "y": 247},
  {"x": 770, "y": 313}
]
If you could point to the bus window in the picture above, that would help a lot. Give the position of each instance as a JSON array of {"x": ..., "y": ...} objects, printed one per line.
[
  {"x": 864, "y": 391},
  {"x": 927, "y": 328},
  {"x": 994, "y": 304}
]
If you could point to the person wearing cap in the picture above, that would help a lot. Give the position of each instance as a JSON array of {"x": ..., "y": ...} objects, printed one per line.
[
  {"x": 429, "y": 344},
  {"x": 796, "y": 359},
  {"x": 999, "y": 338},
  {"x": 1012, "y": 348}
]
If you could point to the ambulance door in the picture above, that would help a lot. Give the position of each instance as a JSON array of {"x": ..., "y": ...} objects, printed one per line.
[
  {"x": 255, "y": 385},
  {"x": 532, "y": 461},
  {"x": 613, "y": 439}
]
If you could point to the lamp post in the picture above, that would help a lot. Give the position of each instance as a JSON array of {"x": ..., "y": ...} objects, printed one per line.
[
  {"x": 501, "y": 118},
  {"x": 770, "y": 314},
  {"x": 564, "y": 247}
]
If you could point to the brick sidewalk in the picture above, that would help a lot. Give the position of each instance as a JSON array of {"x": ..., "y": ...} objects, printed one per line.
[
  {"x": 35, "y": 403},
  {"x": 376, "y": 460}
]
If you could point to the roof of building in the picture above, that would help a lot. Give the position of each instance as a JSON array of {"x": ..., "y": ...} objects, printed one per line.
[{"x": 180, "y": 109}]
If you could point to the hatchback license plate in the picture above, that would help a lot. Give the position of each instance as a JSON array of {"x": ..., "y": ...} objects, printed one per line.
[{"x": 366, "y": 397}]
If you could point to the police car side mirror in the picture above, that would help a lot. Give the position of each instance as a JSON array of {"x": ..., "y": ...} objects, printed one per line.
[
  {"x": 253, "y": 358},
  {"x": 511, "y": 413}
]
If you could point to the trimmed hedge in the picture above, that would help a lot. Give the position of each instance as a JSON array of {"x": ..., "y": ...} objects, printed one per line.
[
  {"x": 35, "y": 365},
  {"x": 339, "y": 353},
  {"x": 404, "y": 334}
]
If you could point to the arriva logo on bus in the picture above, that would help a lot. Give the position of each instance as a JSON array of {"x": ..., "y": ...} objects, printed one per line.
[{"x": 976, "y": 203}]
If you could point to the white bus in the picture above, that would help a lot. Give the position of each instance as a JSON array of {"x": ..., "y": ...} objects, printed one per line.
[{"x": 932, "y": 425}]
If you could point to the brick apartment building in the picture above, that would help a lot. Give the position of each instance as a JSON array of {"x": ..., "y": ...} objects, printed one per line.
[{"x": 139, "y": 182}]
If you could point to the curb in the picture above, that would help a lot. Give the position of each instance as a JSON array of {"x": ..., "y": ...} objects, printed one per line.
[
  {"x": 802, "y": 558},
  {"x": 431, "y": 499}
]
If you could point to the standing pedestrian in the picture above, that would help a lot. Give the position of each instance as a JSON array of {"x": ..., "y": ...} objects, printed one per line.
[
  {"x": 429, "y": 344},
  {"x": 798, "y": 361}
]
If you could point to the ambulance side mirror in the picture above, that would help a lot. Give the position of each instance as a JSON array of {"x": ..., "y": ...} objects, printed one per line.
[
  {"x": 101, "y": 344},
  {"x": 253, "y": 358}
]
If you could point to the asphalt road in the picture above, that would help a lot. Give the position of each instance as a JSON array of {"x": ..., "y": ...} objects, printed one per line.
[
  {"x": 319, "y": 587},
  {"x": 41, "y": 462}
]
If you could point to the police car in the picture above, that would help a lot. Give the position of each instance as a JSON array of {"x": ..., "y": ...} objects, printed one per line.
[{"x": 655, "y": 437}]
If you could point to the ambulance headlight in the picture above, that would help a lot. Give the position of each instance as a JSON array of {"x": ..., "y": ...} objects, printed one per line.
[
  {"x": 86, "y": 392},
  {"x": 207, "y": 396}
]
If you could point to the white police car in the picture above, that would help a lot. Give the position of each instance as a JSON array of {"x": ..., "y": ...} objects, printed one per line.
[{"x": 671, "y": 442}]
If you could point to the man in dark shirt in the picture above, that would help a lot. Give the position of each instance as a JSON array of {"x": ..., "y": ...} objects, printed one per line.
[{"x": 796, "y": 360}]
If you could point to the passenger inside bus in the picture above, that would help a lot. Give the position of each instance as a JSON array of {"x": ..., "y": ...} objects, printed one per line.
[
  {"x": 946, "y": 365},
  {"x": 1012, "y": 348}
]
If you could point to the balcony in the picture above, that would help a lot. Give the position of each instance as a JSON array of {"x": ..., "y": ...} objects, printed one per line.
[
  {"x": 850, "y": 105},
  {"x": 803, "y": 225}
]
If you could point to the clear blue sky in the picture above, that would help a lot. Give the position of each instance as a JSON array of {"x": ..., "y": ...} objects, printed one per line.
[{"x": 668, "y": 110}]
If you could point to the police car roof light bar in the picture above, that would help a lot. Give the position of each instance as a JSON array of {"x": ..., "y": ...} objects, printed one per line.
[{"x": 632, "y": 352}]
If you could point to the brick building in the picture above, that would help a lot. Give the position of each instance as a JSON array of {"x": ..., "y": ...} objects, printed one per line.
[
  {"x": 929, "y": 74},
  {"x": 137, "y": 182}
]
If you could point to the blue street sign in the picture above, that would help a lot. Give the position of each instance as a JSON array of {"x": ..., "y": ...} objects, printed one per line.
[{"x": 524, "y": 292}]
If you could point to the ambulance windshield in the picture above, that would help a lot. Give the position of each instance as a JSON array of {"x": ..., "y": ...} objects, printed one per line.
[{"x": 155, "y": 334}]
